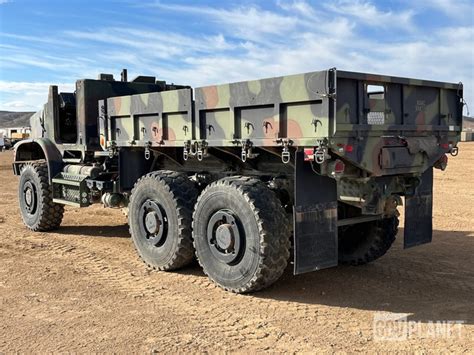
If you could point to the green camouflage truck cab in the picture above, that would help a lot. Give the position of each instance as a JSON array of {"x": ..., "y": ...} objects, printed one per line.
[{"x": 242, "y": 175}]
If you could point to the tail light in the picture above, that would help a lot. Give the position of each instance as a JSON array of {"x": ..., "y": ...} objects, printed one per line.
[
  {"x": 442, "y": 162},
  {"x": 339, "y": 166},
  {"x": 345, "y": 147},
  {"x": 336, "y": 167}
]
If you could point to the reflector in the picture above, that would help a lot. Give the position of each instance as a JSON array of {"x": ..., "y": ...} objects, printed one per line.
[
  {"x": 339, "y": 167},
  {"x": 308, "y": 154}
]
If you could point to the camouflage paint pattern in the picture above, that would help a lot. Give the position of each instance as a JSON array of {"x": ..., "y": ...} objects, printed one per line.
[
  {"x": 265, "y": 111},
  {"x": 302, "y": 110},
  {"x": 154, "y": 119},
  {"x": 87, "y": 95},
  {"x": 416, "y": 123},
  {"x": 405, "y": 128}
]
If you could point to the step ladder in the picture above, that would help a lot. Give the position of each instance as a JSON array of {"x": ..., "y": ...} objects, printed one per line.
[{"x": 71, "y": 189}]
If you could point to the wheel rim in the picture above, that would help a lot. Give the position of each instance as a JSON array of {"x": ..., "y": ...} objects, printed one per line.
[
  {"x": 30, "y": 197},
  {"x": 225, "y": 237},
  {"x": 153, "y": 223}
]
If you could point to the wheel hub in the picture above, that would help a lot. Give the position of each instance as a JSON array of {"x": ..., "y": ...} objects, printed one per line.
[
  {"x": 225, "y": 239},
  {"x": 154, "y": 222},
  {"x": 29, "y": 197}
]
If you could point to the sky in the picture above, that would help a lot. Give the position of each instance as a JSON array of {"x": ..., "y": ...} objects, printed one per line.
[{"x": 209, "y": 42}]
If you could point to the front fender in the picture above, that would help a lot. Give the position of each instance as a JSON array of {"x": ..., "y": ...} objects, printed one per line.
[{"x": 38, "y": 149}]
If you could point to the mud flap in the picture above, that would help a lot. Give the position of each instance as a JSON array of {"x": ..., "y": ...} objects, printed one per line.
[
  {"x": 419, "y": 213},
  {"x": 315, "y": 219}
]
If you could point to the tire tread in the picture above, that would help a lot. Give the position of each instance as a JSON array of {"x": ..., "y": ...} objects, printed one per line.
[
  {"x": 273, "y": 231},
  {"x": 385, "y": 234},
  {"x": 184, "y": 194},
  {"x": 52, "y": 213}
]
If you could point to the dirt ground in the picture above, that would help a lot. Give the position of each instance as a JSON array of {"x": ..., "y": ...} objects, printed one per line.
[{"x": 83, "y": 289}]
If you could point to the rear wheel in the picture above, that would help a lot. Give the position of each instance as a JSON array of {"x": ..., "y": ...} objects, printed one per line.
[
  {"x": 241, "y": 234},
  {"x": 365, "y": 242},
  {"x": 38, "y": 211},
  {"x": 159, "y": 216}
]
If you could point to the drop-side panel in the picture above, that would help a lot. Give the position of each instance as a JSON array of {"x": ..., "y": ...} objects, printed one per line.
[
  {"x": 257, "y": 122},
  {"x": 148, "y": 127},
  {"x": 157, "y": 119},
  {"x": 216, "y": 125},
  {"x": 88, "y": 94},
  {"x": 307, "y": 119},
  {"x": 122, "y": 129},
  {"x": 294, "y": 107},
  {"x": 177, "y": 126}
]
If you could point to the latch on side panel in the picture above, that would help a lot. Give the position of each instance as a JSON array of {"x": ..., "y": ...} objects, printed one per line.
[
  {"x": 285, "y": 153},
  {"x": 147, "y": 150},
  {"x": 201, "y": 152},
  {"x": 247, "y": 152}
]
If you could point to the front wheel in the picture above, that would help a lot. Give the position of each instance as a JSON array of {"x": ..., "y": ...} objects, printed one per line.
[
  {"x": 38, "y": 211},
  {"x": 241, "y": 234}
]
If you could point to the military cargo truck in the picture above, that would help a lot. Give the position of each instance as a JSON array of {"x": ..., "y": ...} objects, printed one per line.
[{"x": 241, "y": 175}]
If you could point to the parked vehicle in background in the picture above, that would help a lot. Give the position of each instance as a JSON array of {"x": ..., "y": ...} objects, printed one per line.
[
  {"x": 13, "y": 135},
  {"x": 241, "y": 174}
]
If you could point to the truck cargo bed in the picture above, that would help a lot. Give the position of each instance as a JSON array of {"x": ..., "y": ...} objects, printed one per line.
[{"x": 339, "y": 108}]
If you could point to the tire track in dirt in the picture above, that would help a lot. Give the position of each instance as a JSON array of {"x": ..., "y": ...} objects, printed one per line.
[
  {"x": 205, "y": 307},
  {"x": 231, "y": 329},
  {"x": 425, "y": 276},
  {"x": 102, "y": 267}
]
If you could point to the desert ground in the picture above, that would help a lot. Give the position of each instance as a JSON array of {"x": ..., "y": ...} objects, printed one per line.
[{"x": 83, "y": 289}]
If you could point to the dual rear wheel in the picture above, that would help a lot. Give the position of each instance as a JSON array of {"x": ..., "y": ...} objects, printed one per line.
[
  {"x": 236, "y": 227},
  {"x": 159, "y": 216},
  {"x": 239, "y": 229}
]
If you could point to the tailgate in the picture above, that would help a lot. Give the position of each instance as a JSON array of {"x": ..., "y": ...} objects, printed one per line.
[{"x": 396, "y": 125}]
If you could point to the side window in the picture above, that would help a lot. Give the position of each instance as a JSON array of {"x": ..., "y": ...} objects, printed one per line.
[
  {"x": 67, "y": 124},
  {"x": 376, "y": 92}
]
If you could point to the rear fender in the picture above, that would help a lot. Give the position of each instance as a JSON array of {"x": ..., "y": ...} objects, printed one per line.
[
  {"x": 314, "y": 218},
  {"x": 419, "y": 213},
  {"x": 38, "y": 149}
]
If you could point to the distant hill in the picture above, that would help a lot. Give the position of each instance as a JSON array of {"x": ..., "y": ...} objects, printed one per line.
[{"x": 14, "y": 119}]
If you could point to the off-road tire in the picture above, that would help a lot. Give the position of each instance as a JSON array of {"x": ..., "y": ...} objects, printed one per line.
[
  {"x": 43, "y": 215},
  {"x": 176, "y": 193},
  {"x": 365, "y": 242},
  {"x": 265, "y": 229}
]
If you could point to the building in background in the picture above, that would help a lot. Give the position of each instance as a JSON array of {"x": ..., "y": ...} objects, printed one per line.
[{"x": 9, "y": 136}]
